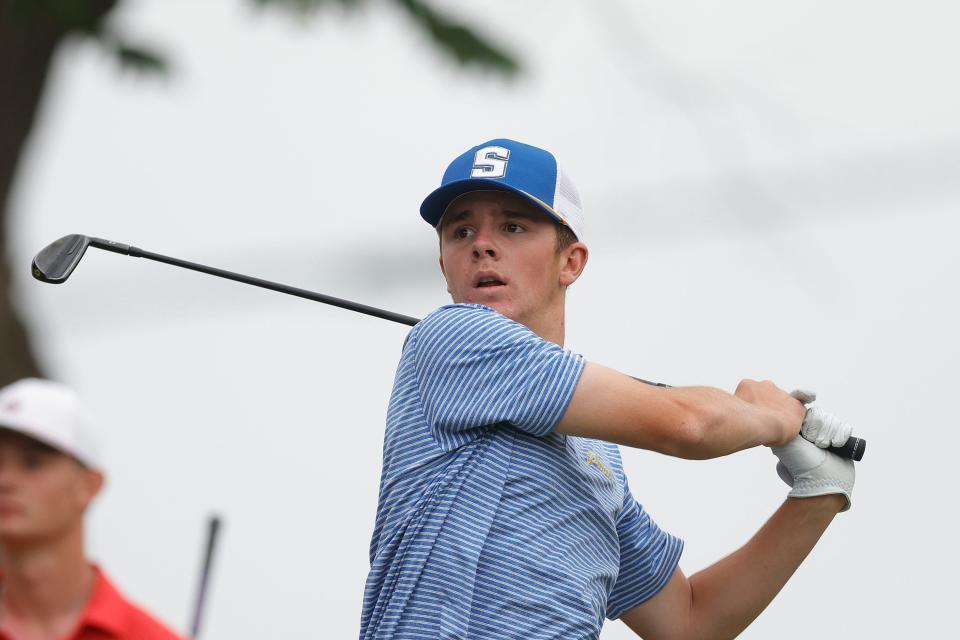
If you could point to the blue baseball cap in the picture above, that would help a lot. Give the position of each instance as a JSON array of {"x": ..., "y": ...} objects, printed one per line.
[{"x": 514, "y": 167}]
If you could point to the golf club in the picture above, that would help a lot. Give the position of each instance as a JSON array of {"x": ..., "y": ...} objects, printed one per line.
[
  {"x": 213, "y": 529},
  {"x": 55, "y": 262}
]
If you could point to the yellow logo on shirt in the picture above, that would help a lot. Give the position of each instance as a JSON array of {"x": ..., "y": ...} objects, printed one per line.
[{"x": 597, "y": 461}]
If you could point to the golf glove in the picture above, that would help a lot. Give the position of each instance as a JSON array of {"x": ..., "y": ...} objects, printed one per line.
[
  {"x": 811, "y": 471},
  {"x": 819, "y": 427}
]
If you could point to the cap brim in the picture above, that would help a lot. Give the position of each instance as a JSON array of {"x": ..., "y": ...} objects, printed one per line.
[
  {"x": 29, "y": 430},
  {"x": 435, "y": 204}
]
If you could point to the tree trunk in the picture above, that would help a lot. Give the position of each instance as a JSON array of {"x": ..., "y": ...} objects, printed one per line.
[{"x": 30, "y": 32}]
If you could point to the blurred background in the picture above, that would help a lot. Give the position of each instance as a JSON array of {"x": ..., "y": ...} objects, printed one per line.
[{"x": 771, "y": 191}]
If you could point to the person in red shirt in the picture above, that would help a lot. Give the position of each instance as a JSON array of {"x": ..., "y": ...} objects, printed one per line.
[{"x": 49, "y": 473}]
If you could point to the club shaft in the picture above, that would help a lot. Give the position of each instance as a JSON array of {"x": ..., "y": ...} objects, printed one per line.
[
  {"x": 257, "y": 282},
  {"x": 854, "y": 449},
  {"x": 213, "y": 529}
]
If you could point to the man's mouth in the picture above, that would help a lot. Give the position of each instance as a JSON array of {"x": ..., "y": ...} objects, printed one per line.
[
  {"x": 488, "y": 281},
  {"x": 9, "y": 507}
]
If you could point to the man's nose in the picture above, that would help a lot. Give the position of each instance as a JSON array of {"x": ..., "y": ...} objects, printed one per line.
[
  {"x": 8, "y": 476},
  {"x": 483, "y": 245},
  {"x": 489, "y": 252}
]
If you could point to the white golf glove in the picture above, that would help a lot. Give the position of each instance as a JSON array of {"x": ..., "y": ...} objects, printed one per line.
[
  {"x": 819, "y": 427},
  {"x": 811, "y": 471}
]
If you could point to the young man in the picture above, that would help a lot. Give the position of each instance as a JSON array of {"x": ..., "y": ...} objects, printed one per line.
[
  {"x": 504, "y": 511},
  {"x": 49, "y": 474}
]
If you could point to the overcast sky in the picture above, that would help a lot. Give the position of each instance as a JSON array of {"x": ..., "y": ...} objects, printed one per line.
[{"x": 771, "y": 191}]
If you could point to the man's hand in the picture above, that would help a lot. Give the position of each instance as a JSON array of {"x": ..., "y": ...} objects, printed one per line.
[
  {"x": 825, "y": 429},
  {"x": 784, "y": 408},
  {"x": 819, "y": 427},
  {"x": 811, "y": 471}
]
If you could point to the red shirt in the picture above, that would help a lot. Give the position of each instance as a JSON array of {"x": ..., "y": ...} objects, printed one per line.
[{"x": 110, "y": 616}]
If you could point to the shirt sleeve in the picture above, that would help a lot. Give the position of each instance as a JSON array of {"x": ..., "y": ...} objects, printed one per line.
[
  {"x": 648, "y": 557},
  {"x": 476, "y": 368}
]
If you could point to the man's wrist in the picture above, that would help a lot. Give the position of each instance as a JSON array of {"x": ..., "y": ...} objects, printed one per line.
[
  {"x": 829, "y": 504},
  {"x": 780, "y": 429}
]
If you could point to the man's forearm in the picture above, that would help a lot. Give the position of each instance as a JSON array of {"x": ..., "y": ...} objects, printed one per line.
[
  {"x": 688, "y": 422},
  {"x": 728, "y": 595},
  {"x": 727, "y": 423}
]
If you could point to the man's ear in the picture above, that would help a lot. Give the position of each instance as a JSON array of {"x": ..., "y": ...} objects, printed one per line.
[
  {"x": 90, "y": 486},
  {"x": 574, "y": 260}
]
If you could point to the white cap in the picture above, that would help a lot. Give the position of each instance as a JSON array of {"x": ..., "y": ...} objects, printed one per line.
[{"x": 51, "y": 413}]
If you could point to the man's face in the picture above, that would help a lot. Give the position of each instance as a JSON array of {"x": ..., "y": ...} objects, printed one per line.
[
  {"x": 498, "y": 250},
  {"x": 43, "y": 493}
]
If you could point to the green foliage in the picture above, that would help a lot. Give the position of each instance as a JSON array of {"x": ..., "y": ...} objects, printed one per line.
[
  {"x": 57, "y": 15},
  {"x": 459, "y": 40},
  {"x": 138, "y": 58},
  {"x": 87, "y": 17},
  {"x": 79, "y": 17},
  {"x": 308, "y": 6},
  {"x": 455, "y": 39}
]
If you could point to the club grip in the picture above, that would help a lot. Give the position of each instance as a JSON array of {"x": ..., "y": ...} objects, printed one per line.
[{"x": 852, "y": 450}]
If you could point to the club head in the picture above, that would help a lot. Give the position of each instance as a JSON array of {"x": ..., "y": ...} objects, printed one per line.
[{"x": 55, "y": 262}]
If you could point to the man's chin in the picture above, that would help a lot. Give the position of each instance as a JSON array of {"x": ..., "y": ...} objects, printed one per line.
[
  {"x": 503, "y": 306},
  {"x": 17, "y": 538}
]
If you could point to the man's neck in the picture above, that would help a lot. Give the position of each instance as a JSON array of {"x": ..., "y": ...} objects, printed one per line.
[
  {"x": 45, "y": 587},
  {"x": 548, "y": 324}
]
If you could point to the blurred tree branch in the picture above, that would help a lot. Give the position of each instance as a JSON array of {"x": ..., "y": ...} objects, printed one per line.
[
  {"x": 451, "y": 37},
  {"x": 32, "y": 30}
]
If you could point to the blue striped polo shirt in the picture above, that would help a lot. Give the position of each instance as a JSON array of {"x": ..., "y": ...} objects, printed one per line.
[{"x": 489, "y": 524}]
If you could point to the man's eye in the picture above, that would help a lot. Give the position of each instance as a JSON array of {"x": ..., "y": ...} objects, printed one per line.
[
  {"x": 34, "y": 460},
  {"x": 462, "y": 232},
  {"x": 513, "y": 227}
]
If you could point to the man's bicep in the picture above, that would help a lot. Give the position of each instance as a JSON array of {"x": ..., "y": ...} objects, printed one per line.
[
  {"x": 608, "y": 405},
  {"x": 665, "y": 616}
]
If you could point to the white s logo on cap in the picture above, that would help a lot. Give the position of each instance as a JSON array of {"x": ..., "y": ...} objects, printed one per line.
[{"x": 490, "y": 162}]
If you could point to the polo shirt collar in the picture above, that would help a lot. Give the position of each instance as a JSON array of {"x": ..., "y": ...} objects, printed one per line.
[{"x": 105, "y": 609}]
